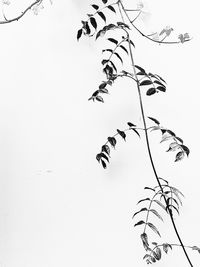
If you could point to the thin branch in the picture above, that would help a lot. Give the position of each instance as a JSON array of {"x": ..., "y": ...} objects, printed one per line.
[{"x": 22, "y": 14}]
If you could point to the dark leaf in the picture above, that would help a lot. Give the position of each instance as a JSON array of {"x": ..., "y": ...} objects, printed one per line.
[
  {"x": 112, "y": 141},
  {"x": 161, "y": 88},
  {"x": 104, "y": 1},
  {"x": 196, "y": 248},
  {"x": 100, "y": 33},
  {"x": 140, "y": 73},
  {"x": 135, "y": 131},
  {"x": 102, "y": 15},
  {"x": 165, "y": 247},
  {"x": 111, "y": 8},
  {"x": 87, "y": 28},
  {"x": 141, "y": 69},
  {"x": 104, "y": 156},
  {"x": 161, "y": 78},
  {"x": 113, "y": 40},
  {"x": 106, "y": 149},
  {"x": 99, "y": 98},
  {"x": 122, "y": 134},
  {"x": 152, "y": 226},
  {"x": 123, "y": 25},
  {"x": 179, "y": 139},
  {"x": 179, "y": 156},
  {"x": 93, "y": 22},
  {"x": 154, "y": 120},
  {"x": 102, "y": 85},
  {"x": 113, "y": 65},
  {"x": 79, "y": 33},
  {"x": 170, "y": 132},
  {"x": 95, "y": 93},
  {"x": 124, "y": 48},
  {"x": 103, "y": 164},
  {"x": 157, "y": 254},
  {"x": 158, "y": 82},
  {"x": 104, "y": 91},
  {"x": 95, "y": 7},
  {"x": 151, "y": 91},
  {"x": 107, "y": 50},
  {"x": 143, "y": 209},
  {"x": 132, "y": 43},
  {"x": 139, "y": 223},
  {"x": 144, "y": 199},
  {"x": 130, "y": 124},
  {"x": 144, "y": 238},
  {"x": 146, "y": 82},
  {"x": 104, "y": 61},
  {"x": 98, "y": 156},
  {"x": 118, "y": 57},
  {"x": 146, "y": 187},
  {"x": 186, "y": 149},
  {"x": 172, "y": 206}
]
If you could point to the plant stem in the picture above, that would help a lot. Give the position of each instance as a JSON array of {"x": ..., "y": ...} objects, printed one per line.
[{"x": 149, "y": 152}]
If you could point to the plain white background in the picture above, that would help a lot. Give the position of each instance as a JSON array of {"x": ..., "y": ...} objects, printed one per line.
[{"x": 58, "y": 207}]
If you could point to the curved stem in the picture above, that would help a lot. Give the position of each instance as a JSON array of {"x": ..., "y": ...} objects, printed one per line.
[{"x": 150, "y": 155}]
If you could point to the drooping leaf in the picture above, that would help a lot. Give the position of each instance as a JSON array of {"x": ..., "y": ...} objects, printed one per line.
[
  {"x": 145, "y": 82},
  {"x": 107, "y": 50},
  {"x": 101, "y": 155},
  {"x": 113, "y": 40},
  {"x": 158, "y": 82},
  {"x": 143, "y": 209},
  {"x": 196, "y": 248},
  {"x": 93, "y": 22},
  {"x": 154, "y": 120},
  {"x": 122, "y": 134},
  {"x": 131, "y": 42},
  {"x": 179, "y": 156},
  {"x": 113, "y": 65},
  {"x": 144, "y": 238},
  {"x": 161, "y": 88},
  {"x": 177, "y": 190},
  {"x": 79, "y": 34},
  {"x": 160, "y": 78},
  {"x": 101, "y": 14},
  {"x": 170, "y": 132},
  {"x": 104, "y": 91},
  {"x": 118, "y": 57},
  {"x": 104, "y": 61},
  {"x": 152, "y": 226},
  {"x": 144, "y": 199},
  {"x": 156, "y": 213},
  {"x": 99, "y": 98},
  {"x": 103, "y": 164},
  {"x": 95, "y": 7},
  {"x": 124, "y": 48},
  {"x": 165, "y": 247},
  {"x": 135, "y": 131},
  {"x": 112, "y": 141},
  {"x": 179, "y": 139},
  {"x": 172, "y": 206},
  {"x": 130, "y": 124},
  {"x": 186, "y": 149},
  {"x": 140, "y": 69},
  {"x": 151, "y": 91},
  {"x": 139, "y": 223},
  {"x": 87, "y": 28},
  {"x": 149, "y": 188},
  {"x": 98, "y": 157},
  {"x": 106, "y": 149},
  {"x": 123, "y": 25},
  {"x": 105, "y": 1},
  {"x": 157, "y": 253},
  {"x": 111, "y": 8}
]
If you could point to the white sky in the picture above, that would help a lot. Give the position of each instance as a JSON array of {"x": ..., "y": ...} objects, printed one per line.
[{"x": 58, "y": 207}]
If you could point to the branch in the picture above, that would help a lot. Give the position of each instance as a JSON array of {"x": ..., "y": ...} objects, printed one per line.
[{"x": 22, "y": 14}]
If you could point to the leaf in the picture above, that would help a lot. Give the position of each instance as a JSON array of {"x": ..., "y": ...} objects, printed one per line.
[
  {"x": 123, "y": 25},
  {"x": 102, "y": 15},
  {"x": 95, "y": 7},
  {"x": 132, "y": 43},
  {"x": 179, "y": 156},
  {"x": 169, "y": 207},
  {"x": 170, "y": 132},
  {"x": 157, "y": 253},
  {"x": 186, "y": 149},
  {"x": 179, "y": 139},
  {"x": 160, "y": 78},
  {"x": 144, "y": 199},
  {"x": 113, "y": 65},
  {"x": 107, "y": 50},
  {"x": 165, "y": 247},
  {"x": 135, "y": 131},
  {"x": 113, "y": 40},
  {"x": 93, "y": 22},
  {"x": 149, "y": 188},
  {"x": 112, "y": 141},
  {"x": 124, "y": 48},
  {"x": 130, "y": 124},
  {"x": 146, "y": 82},
  {"x": 101, "y": 155},
  {"x": 140, "y": 68},
  {"x": 139, "y": 223},
  {"x": 104, "y": 61},
  {"x": 99, "y": 98},
  {"x": 98, "y": 157},
  {"x": 161, "y": 88},
  {"x": 104, "y": 1},
  {"x": 104, "y": 91},
  {"x": 79, "y": 33},
  {"x": 158, "y": 82},
  {"x": 143, "y": 209},
  {"x": 87, "y": 28},
  {"x": 196, "y": 248},
  {"x": 122, "y": 134},
  {"x": 154, "y": 120},
  {"x": 144, "y": 238},
  {"x": 118, "y": 57},
  {"x": 106, "y": 149},
  {"x": 156, "y": 213},
  {"x": 152, "y": 226},
  {"x": 103, "y": 164},
  {"x": 102, "y": 85},
  {"x": 111, "y": 8},
  {"x": 151, "y": 91}
]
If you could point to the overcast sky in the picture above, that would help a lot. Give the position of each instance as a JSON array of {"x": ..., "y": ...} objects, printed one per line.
[{"x": 58, "y": 207}]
